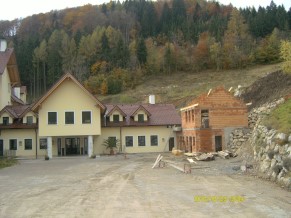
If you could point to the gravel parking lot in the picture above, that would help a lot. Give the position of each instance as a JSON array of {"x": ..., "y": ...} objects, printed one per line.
[{"x": 112, "y": 186}]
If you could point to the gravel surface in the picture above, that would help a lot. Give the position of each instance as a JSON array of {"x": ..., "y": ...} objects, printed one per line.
[{"x": 112, "y": 186}]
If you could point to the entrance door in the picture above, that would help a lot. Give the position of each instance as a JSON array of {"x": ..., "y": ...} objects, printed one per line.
[
  {"x": 1, "y": 148},
  {"x": 171, "y": 143},
  {"x": 59, "y": 147},
  {"x": 85, "y": 146},
  {"x": 218, "y": 143},
  {"x": 72, "y": 146}
]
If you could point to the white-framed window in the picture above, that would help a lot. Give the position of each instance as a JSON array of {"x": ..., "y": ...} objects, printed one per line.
[
  {"x": 141, "y": 140},
  {"x": 115, "y": 118},
  {"x": 140, "y": 117},
  {"x": 52, "y": 118},
  {"x": 28, "y": 144},
  {"x": 13, "y": 144},
  {"x": 5, "y": 120},
  {"x": 29, "y": 120},
  {"x": 86, "y": 117},
  {"x": 69, "y": 117},
  {"x": 43, "y": 143},
  {"x": 129, "y": 141},
  {"x": 154, "y": 140}
]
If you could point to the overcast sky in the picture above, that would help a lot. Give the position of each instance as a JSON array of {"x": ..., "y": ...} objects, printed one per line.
[{"x": 11, "y": 9}]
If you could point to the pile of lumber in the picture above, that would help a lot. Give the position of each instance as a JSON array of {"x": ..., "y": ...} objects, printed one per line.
[
  {"x": 211, "y": 155},
  {"x": 205, "y": 157}
]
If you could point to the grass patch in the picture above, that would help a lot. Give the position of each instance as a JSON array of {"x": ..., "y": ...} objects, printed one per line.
[
  {"x": 7, "y": 162},
  {"x": 279, "y": 118}
]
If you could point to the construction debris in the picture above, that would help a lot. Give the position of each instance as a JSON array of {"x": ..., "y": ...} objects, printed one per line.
[
  {"x": 205, "y": 157},
  {"x": 176, "y": 152},
  {"x": 211, "y": 155},
  {"x": 223, "y": 155}
]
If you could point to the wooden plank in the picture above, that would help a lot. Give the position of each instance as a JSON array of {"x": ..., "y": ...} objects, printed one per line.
[
  {"x": 191, "y": 160},
  {"x": 176, "y": 167},
  {"x": 158, "y": 161}
]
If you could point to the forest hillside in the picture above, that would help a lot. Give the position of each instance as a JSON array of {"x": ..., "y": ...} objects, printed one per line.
[{"x": 113, "y": 48}]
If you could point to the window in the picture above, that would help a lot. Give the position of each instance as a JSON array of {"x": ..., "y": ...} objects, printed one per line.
[
  {"x": 69, "y": 117},
  {"x": 13, "y": 144},
  {"x": 27, "y": 144},
  {"x": 29, "y": 120},
  {"x": 116, "y": 118},
  {"x": 140, "y": 118},
  {"x": 204, "y": 118},
  {"x": 43, "y": 143},
  {"x": 5, "y": 120},
  {"x": 86, "y": 117},
  {"x": 141, "y": 140},
  {"x": 52, "y": 117},
  {"x": 154, "y": 140},
  {"x": 129, "y": 141}
]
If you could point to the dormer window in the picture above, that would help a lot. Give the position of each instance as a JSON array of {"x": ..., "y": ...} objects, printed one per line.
[
  {"x": 115, "y": 118},
  {"x": 5, "y": 120},
  {"x": 140, "y": 118},
  {"x": 29, "y": 120}
]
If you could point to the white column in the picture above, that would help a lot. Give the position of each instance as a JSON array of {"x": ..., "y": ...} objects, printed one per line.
[
  {"x": 90, "y": 145},
  {"x": 49, "y": 147}
]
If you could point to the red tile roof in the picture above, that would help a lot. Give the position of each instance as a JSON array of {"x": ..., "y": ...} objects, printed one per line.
[
  {"x": 16, "y": 111},
  {"x": 160, "y": 115}
]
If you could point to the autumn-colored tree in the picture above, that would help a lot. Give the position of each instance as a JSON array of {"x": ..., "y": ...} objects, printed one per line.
[
  {"x": 104, "y": 88},
  {"x": 237, "y": 42},
  {"x": 268, "y": 50},
  {"x": 201, "y": 55},
  {"x": 285, "y": 51}
]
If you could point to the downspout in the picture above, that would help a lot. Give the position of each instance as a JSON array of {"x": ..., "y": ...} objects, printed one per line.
[
  {"x": 120, "y": 136},
  {"x": 35, "y": 143}
]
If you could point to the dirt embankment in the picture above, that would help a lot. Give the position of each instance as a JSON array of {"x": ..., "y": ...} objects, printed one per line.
[{"x": 266, "y": 89}]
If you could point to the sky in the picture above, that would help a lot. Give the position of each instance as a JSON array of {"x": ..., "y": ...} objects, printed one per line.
[{"x": 11, "y": 9}]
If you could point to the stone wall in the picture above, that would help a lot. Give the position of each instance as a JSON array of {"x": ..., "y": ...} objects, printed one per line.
[
  {"x": 271, "y": 149},
  {"x": 272, "y": 152}
]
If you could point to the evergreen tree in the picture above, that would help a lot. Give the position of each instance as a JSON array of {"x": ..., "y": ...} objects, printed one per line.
[{"x": 141, "y": 51}]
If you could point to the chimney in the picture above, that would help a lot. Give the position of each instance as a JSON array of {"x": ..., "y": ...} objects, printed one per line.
[
  {"x": 3, "y": 45},
  {"x": 152, "y": 99},
  {"x": 17, "y": 92}
]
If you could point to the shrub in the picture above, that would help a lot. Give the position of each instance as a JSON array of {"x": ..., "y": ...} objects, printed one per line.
[{"x": 7, "y": 162}]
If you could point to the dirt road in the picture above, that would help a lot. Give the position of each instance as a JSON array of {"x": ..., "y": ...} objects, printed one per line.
[{"x": 118, "y": 187}]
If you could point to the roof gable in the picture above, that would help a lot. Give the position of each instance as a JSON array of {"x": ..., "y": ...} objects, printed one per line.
[
  {"x": 58, "y": 84},
  {"x": 140, "y": 108},
  {"x": 115, "y": 108},
  {"x": 16, "y": 111},
  {"x": 218, "y": 97}
]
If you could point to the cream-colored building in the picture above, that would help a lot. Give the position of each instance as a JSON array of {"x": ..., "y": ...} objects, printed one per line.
[{"x": 69, "y": 120}]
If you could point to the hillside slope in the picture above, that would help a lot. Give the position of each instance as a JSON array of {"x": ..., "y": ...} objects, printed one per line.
[
  {"x": 268, "y": 88},
  {"x": 180, "y": 88}
]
